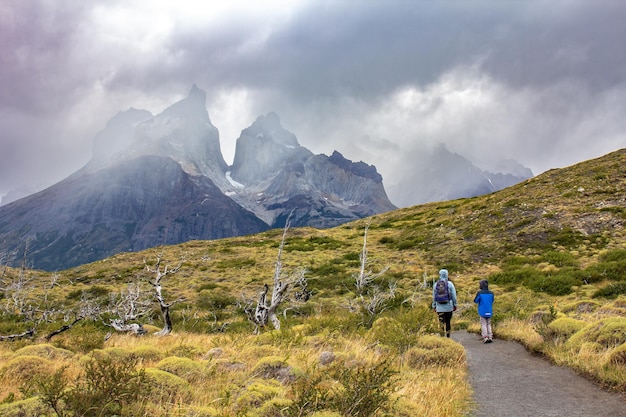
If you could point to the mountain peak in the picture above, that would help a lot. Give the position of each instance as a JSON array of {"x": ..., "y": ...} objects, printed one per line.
[
  {"x": 194, "y": 105},
  {"x": 268, "y": 127}
]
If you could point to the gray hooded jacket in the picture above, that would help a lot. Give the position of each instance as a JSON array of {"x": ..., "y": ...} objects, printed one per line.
[{"x": 450, "y": 305}]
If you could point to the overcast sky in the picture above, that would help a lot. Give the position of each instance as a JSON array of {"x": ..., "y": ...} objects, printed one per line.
[{"x": 539, "y": 81}]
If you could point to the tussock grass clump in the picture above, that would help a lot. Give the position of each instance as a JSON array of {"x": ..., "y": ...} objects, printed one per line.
[
  {"x": 609, "y": 333},
  {"x": 256, "y": 395},
  {"x": 563, "y": 327},
  {"x": 522, "y": 331},
  {"x": 618, "y": 356},
  {"x": 22, "y": 369},
  {"x": 166, "y": 387},
  {"x": 433, "y": 350},
  {"x": 274, "y": 367},
  {"x": 23, "y": 408},
  {"x": 580, "y": 307},
  {"x": 148, "y": 353},
  {"x": 45, "y": 350},
  {"x": 188, "y": 369}
]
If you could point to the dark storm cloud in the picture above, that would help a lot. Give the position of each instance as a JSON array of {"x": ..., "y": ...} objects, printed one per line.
[{"x": 538, "y": 81}]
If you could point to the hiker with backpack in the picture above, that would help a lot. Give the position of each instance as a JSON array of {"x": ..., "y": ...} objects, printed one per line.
[
  {"x": 444, "y": 300},
  {"x": 484, "y": 298}
]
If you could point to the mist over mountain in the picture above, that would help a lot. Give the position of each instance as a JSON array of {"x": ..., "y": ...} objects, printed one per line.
[
  {"x": 440, "y": 175},
  {"x": 156, "y": 180}
]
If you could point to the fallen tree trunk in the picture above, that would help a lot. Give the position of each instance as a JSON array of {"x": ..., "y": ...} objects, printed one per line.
[
  {"x": 62, "y": 329},
  {"x": 134, "y": 328},
  {"x": 27, "y": 333}
]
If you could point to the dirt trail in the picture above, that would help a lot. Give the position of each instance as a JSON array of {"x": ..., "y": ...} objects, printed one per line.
[{"x": 510, "y": 382}]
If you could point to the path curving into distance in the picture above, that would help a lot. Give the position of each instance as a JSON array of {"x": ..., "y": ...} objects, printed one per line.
[{"x": 508, "y": 381}]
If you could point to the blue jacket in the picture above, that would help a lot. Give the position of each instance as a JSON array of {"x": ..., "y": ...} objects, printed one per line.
[
  {"x": 450, "y": 305},
  {"x": 484, "y": 298}
]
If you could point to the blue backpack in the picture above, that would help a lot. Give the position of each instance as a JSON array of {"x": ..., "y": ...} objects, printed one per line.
[{"x": 442, "y": 292}]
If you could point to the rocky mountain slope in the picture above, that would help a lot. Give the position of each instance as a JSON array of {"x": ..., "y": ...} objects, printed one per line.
[{"x": 157, "y": 180}]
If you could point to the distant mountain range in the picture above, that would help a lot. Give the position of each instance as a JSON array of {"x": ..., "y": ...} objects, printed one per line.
[
  {"x": 440, "y": 175},
  {"x": 160, "y": 180}
]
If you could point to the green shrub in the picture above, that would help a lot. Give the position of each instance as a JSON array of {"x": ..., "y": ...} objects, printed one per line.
[
  {"x": 614, "y": 270},
  {"x": 109, "y": 385},
  {"x": 384, "y": 330},
  {"x": 558, "y": 283},
  {"x": 615, "y": 255},
  {"x": 215, "y": 299},
  {"x": 611, "y": 290},
  {"x": 402, "y": 331},
  {"x": 82, "y": 338},
  {"x": 360, "y": 389},
  {"x": 95, "y": 292},
  {"x": 560, "y": 259},
  {"x": 106, "y": 387}
]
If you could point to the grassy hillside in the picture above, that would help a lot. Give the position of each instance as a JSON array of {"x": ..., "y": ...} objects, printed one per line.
[{"x": 553, "y": 249}]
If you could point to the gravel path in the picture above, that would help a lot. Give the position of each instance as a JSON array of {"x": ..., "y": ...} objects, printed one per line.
[{"x": 510, "y": 382}]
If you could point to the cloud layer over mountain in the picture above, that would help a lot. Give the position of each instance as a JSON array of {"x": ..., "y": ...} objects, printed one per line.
[{"x": 540, "y": 82}]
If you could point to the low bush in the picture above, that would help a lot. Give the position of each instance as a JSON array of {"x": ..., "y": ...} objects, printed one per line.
[
  {"x": 611, "y": 291},
  {"x": 356, "y": 389},
  {"x": 105, "y": 387}
]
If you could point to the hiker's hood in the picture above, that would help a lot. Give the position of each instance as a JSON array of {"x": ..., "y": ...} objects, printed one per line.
[
  {"x": 484, "y": 285},
  {"x": 443, "y": 274}
]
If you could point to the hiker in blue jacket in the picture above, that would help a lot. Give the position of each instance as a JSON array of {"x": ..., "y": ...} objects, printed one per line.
[
  {"x": 444, "y": 308},
  {"x": 484, "y": 298}
]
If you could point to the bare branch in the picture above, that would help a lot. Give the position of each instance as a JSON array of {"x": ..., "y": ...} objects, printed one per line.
[
  {"x": 165, "y": 307},
  {"x": 266, "y": 312},
  {"x": 27, "y": 333}
]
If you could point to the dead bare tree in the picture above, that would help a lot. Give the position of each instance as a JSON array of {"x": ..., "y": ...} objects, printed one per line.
[
  {"x": 370, "y": 298},
  {"x": 131, "y": 304},
  {"x": 364, "y": 278},
  {"x": 266, "y": 310},
  {"x": 156, "y": 283}
]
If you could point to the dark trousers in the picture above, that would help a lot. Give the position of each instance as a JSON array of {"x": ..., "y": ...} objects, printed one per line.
[{"x": 444, "y": 319}]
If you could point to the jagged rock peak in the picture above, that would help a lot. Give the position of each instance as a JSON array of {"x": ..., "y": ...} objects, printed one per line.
[
  {"x": 360, "y": 168},
  {"x": 194, "y": 105},
  {"x": 268, "y": 127},
  {"x": 130, "y": 117}
]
